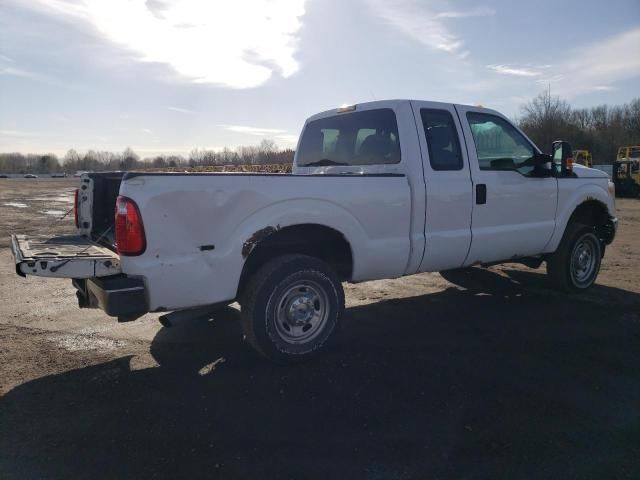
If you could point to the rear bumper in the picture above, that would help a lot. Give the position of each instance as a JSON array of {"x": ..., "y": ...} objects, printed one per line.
[{"x": 119, "y": 296}]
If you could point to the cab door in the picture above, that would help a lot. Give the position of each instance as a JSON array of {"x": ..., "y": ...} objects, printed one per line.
[
  {"x": 449, "y": 193},
  {"x": 514, "y": 208}
]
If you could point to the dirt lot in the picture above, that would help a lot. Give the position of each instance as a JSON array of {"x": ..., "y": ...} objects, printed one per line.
[{"x": 479, "y": 374}]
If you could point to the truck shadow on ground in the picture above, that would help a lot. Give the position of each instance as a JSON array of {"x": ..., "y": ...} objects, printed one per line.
[{"x": 495, "y": 381}]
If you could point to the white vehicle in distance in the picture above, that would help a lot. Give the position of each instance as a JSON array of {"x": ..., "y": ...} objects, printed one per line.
[{"x": 378, "y": 190}]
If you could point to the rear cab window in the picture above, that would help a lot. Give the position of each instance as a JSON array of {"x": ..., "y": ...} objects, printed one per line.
[
  {"x": 368, "y": 137},
  {"x": 442, "y": 139}
]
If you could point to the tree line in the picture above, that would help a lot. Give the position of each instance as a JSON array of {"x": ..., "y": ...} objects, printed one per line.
[
  {"x": 601, "y": 129},
  {"x": 267, "y": 152}
]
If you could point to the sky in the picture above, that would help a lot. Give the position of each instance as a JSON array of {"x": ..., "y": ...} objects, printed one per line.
[{"x": 168, "y": 76}]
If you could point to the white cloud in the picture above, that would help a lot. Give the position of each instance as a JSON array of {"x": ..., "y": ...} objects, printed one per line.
[
  {"x": 518, "y": 71},
  {"x": 11, "y": 68},
  {"x": 473, "y": 12},
  {"x": 288, "y": 139},
  {"x": 548, "y": 80},
  {"x": 237, "y": 44},
  {"x": 274, "y": 133},
  {"x": 16, "y": 133},
  {"x": 591, "y": 68},
  {"x": 596, "y": 66},
  {"x": 261, "y": 132},
  {"x": 419, "y": 21},
  {"x": 17, "y": 72},
  {"x": 180, "y": 110}
]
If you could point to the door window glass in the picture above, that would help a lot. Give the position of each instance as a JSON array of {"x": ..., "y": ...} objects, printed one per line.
[
  {"x": 499, "y": 145},
  {"x": 442, "y": 139}
]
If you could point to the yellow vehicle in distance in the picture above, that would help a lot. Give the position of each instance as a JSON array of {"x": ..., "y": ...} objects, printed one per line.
[
  {"x": 626, "y": 171},
  {"x": 583, "y": 157},
  {"x": 629, "y": 153}
]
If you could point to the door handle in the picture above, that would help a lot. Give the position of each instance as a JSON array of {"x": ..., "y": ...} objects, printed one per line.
[{"x": 481, "y": 193}]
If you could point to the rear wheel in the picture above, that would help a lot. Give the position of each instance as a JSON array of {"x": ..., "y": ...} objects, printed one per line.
[
  {"x": 291, "y": 307},
  {"x": 575, "y": 265}
]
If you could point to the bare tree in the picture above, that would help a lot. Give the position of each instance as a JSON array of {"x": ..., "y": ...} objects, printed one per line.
[
  {"x": 600, "y": 129},
  {"x": 545, "y": 118},
  {"x": 92, "y": 160},
  {"x": 130, "y": 159}
]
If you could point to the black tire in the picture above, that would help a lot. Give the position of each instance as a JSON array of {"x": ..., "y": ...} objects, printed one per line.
[
  {"x": 284, "y": 297},
  {"x": 575, "y": 265}
]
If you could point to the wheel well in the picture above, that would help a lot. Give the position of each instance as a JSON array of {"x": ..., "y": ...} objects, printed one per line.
[
  {"x": 595, "y": 212},
  {"x": 314, "y": 240}
]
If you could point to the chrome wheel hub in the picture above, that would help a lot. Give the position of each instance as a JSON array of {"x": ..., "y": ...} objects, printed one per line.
[
  {"x": 301, "y": 312},
  {"x": 584, "y": 261}
]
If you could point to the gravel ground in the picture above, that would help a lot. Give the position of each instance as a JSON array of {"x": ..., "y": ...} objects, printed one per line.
[{"x": 485, "y": 373}]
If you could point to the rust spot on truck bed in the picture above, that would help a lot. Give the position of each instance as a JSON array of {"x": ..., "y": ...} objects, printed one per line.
[{"x": 256, "y": 238}]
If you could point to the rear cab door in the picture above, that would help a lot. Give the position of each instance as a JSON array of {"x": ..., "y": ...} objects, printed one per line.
[
  {"x": 514, "y": 210},
  {"x": 449, "y": 197},
  {"x": 344, "y": 144}
]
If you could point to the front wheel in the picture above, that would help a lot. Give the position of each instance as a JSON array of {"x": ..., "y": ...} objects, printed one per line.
[
  {"x": 291, "y": 307},
  {"x": 575, "y": 265}
]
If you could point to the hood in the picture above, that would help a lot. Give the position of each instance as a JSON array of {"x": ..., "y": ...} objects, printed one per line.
[{"x": 585, "y": 172}]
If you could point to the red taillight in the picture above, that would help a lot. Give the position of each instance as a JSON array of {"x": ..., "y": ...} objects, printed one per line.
[
  {"x": 75, "y": 207},
  {"x": 130, "y": 239}
]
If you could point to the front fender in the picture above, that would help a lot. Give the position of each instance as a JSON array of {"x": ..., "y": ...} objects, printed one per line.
[{"x": 570, "y": 198}]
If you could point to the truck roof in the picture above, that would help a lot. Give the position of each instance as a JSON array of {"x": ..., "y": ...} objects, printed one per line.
[{"x": 390, "y": 103}]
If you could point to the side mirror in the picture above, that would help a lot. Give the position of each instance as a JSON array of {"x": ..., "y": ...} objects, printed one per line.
[
  {"x": 562, "y": 157},
  {"x": 542, "y": 165}
]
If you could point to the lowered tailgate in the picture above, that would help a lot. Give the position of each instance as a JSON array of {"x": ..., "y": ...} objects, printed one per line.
[{"x": 68, "y": 256}]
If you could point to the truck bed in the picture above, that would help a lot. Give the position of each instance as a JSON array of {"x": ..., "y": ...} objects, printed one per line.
[
  {"x": 106, "y": 187},
  {"x": 200, "y": 228}
]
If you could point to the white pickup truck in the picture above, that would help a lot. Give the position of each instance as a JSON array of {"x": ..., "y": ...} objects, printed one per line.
[{"x": 378, "y": 190}]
